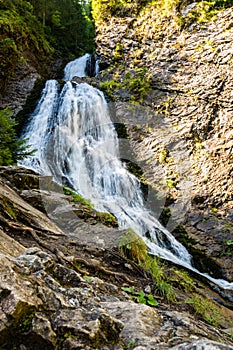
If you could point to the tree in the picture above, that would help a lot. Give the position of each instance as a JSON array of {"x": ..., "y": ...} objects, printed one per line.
[
  {"x": 11, "y": 149},
  {"x": 68, "y": 25}
]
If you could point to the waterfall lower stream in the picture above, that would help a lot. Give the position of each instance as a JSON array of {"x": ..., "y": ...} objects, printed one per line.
[{"x": 76, "y": 143}]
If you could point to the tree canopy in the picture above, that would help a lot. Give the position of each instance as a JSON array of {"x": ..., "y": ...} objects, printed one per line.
[
  {"x": 36, "y": 30},
  {"x": 67, "y": 23}
]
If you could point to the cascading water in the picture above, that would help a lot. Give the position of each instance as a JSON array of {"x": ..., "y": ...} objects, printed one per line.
[
  {"x": 81, "y": 67},
  {"x": 76, "y": 143}
]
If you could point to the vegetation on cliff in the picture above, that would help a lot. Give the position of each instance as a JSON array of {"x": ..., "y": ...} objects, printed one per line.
[
  {"x": 21, "y": 37},
  {"x": 36, "y": 31},
  {"x": 103, "y": 10}
]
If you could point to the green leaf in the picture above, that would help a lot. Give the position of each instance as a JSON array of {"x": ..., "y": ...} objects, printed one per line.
[
  {"x": 141, "y": 298},
  {"x": 128, "y": 289},
  {"x": 151, "y": 301}
]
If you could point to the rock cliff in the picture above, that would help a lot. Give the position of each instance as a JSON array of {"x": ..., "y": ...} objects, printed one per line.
[{"x": 171, "y": 79}]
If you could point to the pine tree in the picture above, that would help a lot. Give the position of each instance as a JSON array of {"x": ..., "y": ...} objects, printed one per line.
[{"x": 11, "y": 149}]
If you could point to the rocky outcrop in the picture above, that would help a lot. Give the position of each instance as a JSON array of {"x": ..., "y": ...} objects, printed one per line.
[
  {"x": 19, "y": 87},
  {"x": 24, "y": 85},
  {"x": 65, "y": 290},
  {"x": 180, "y": 127}
]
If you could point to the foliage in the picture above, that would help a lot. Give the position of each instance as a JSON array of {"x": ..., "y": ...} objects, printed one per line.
[
  {"x": 141, "y": 297},
  {"x": 134, "y": 248},
  {"x": 68, "y": 25},
  {"x": 77, "y": 198},
  {"x": 109, "y": 87},
  {"x": 11, "y": 149},
  {"x": 227, "y": 248},
  {"x": 184, "y": 281},
  {"x": 20, "y": 33},
  {"x": 207, "y": 308},
  {"x": 104, "y": 9},
  {"x": 36, "y": 30},
  {"x": 204, "y": 11},
  {"x": 137, "y": 82}
]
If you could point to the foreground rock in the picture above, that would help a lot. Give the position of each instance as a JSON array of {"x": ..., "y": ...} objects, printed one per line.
[{"x": 60, "y": 291}]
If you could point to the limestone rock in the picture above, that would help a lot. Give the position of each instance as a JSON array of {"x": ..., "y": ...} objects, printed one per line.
[
  {"x": 141, "y": 322},
  {"x": 187, "y": 113},
  {"x": 203, "y": 345},
  {"x": 19, "y": 87},
  {"x": 59, "y": 292}
]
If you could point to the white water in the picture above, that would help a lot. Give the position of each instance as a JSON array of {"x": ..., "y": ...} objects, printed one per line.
[
  {"x": 76, "y": 68},
  {"x": 76, "y": 141}
]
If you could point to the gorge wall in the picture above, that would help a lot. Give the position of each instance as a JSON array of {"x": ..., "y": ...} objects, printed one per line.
[{"x": 170, "y": 74}]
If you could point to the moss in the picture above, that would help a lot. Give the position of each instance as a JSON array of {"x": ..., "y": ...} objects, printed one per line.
[
  {"x": 25, "y": 322},
  {"x": 207, "y": 309},
  {"x": 227, "y": 248},
  {"x": 181, "y": 234},
  {"x": 139, "y": 84},
  {"x": 165, "y": 216},
  {"x": 118, "y": 53},
  {"x": 133, "y": 168},
  {"x": 19, "y": 327},
  {"x": 107, "y": 219},
  {"x": 7, "y": 209},
  {"x": 109, "y": 87},
  {"x": 201, "y": 261},
  {"x": 77, "y": 198},
  {"x": 205, "y": 263},
  {"x": 136, "y": 81}
]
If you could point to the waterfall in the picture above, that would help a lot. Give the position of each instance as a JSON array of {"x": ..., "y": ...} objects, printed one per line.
[
  {"x": 81, "y": 67},
  {"x": 40, "y": 127},
  {"x": 77, "y": 144}
]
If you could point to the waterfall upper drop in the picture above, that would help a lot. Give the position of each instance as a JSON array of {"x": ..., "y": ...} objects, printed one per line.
[
  {"x": 81, "y": 67},
  {"x": 77, "y": 144}
]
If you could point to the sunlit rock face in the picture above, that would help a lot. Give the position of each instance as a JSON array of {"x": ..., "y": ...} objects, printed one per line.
[{"x": 181, "y": 131}]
